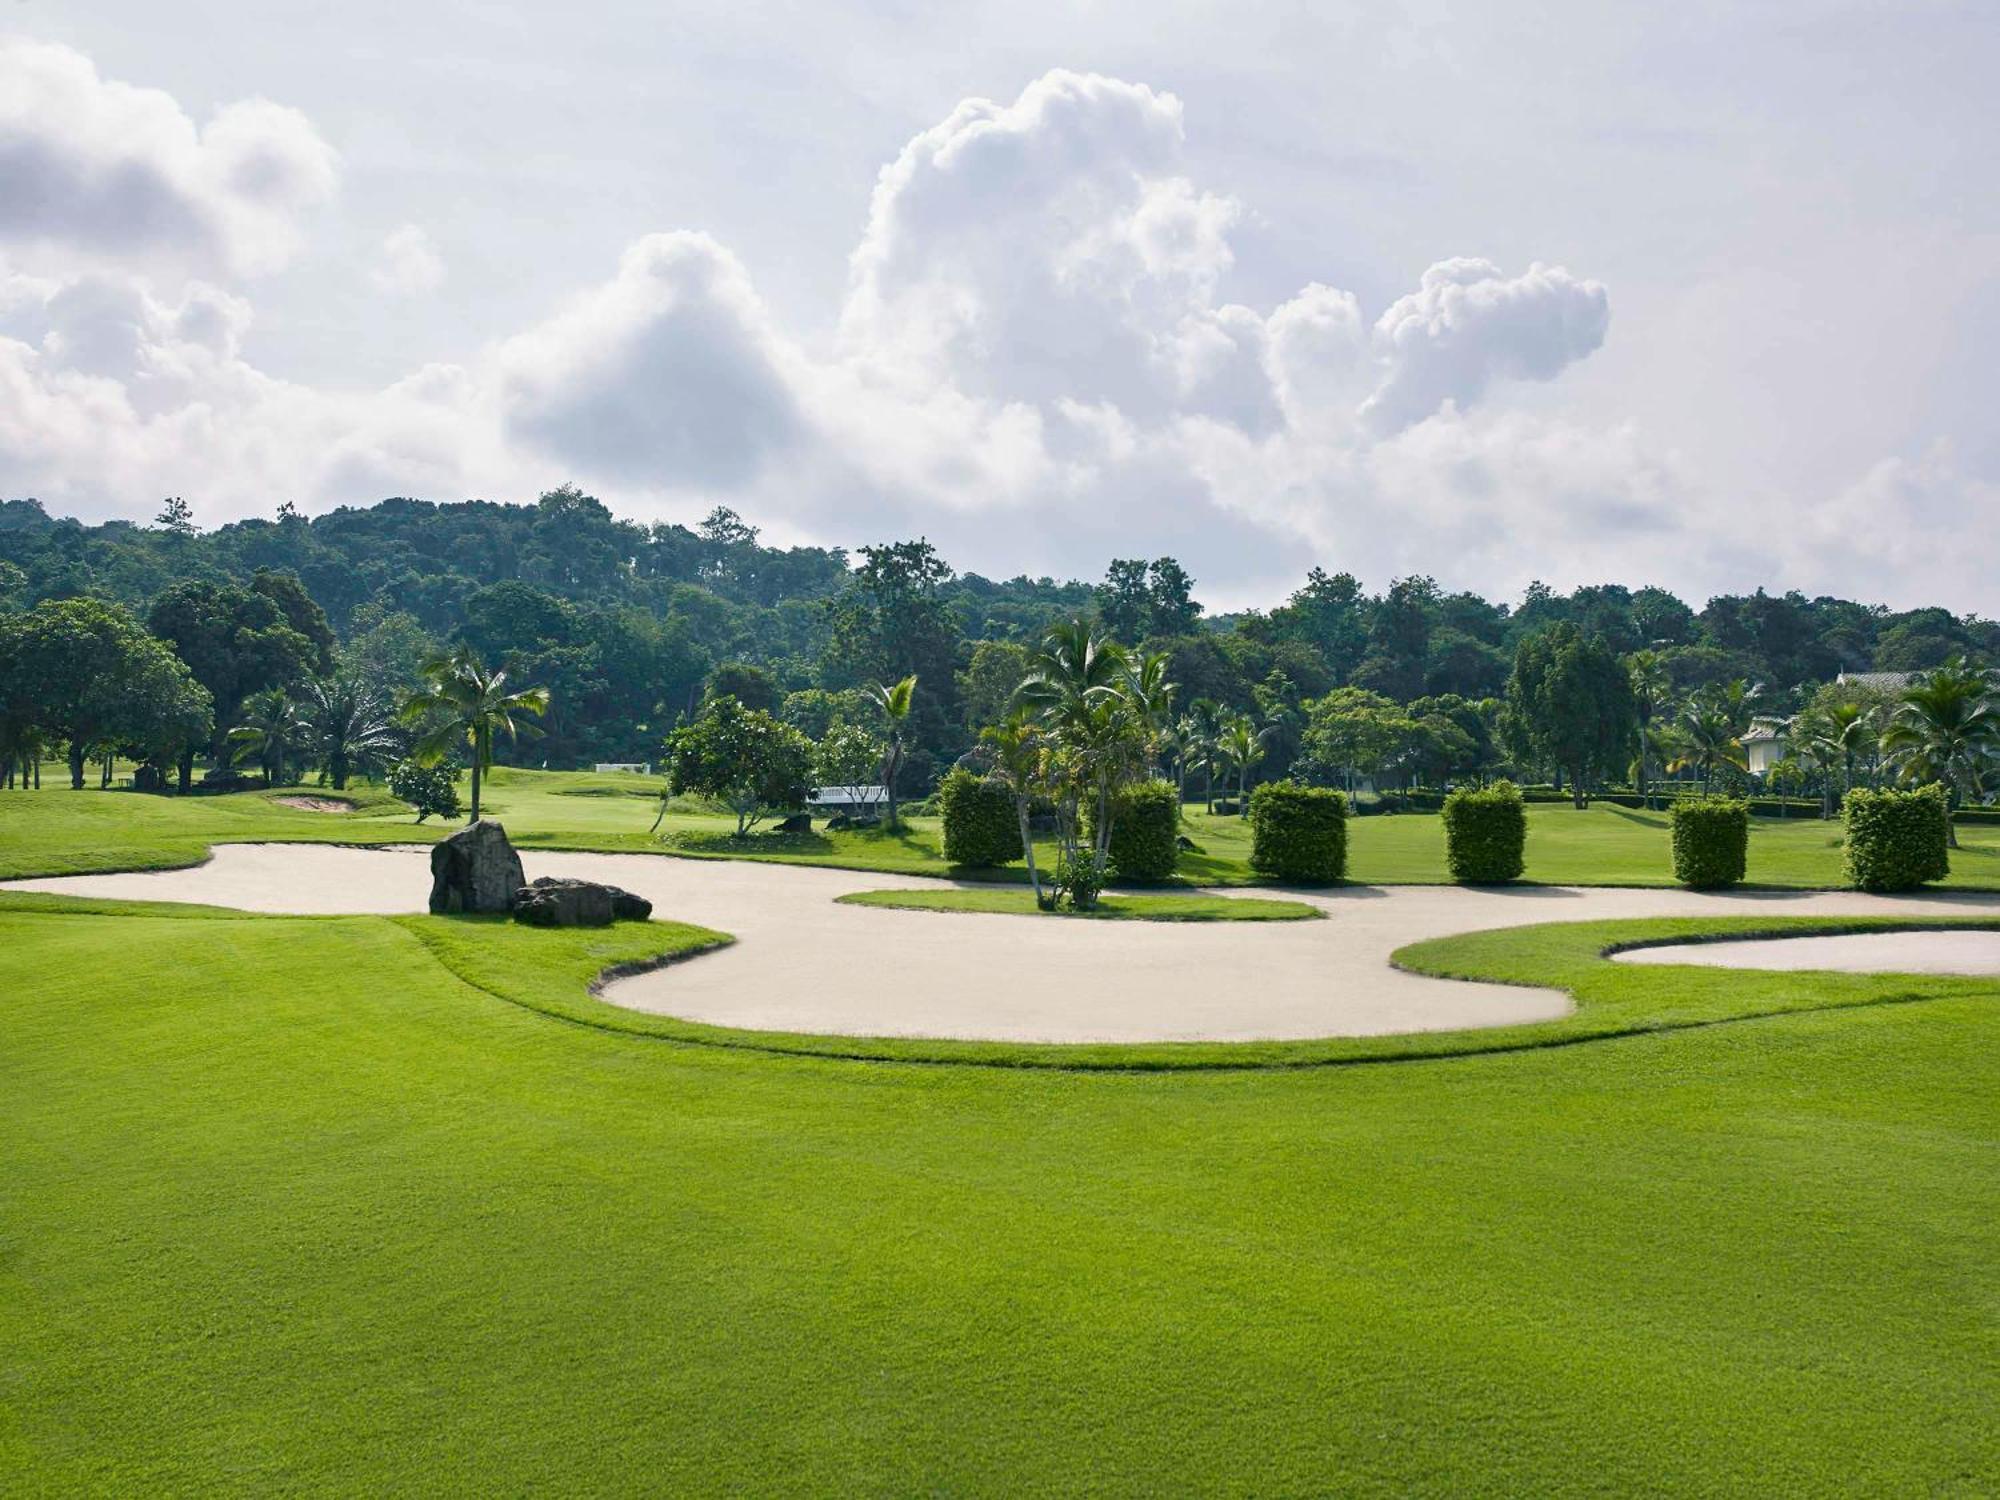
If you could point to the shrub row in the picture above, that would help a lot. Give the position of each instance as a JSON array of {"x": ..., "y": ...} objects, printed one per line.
[
  {"x": 1486, "y": 834},
  {"x": 1145, "y": 831},
  {"x": 981, "y": 827},
  {"x": 1896, "y": 841},
  {"x": 1298, "y": 833},
  {"x": 1711, "y": 842}
]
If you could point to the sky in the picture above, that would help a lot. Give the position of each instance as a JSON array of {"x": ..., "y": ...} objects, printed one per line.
[{"x": 1704, "y": 296}]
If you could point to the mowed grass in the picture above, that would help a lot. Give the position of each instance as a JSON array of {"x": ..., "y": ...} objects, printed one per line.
[
  {"x": 56, "y": 831},
  {"x": 1166, "y": 906},
  {"x": 287, "y": 1204}
]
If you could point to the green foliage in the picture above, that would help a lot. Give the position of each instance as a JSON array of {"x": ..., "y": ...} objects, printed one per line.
[
  {"x": 1897, "y": 841},
  {"x": 1486, "y": 834},
  {"x": 750, "y": 760},
  {"x": 1078, "y": 880},
  {"x": 1145, "y": 830},
  {"x": 1711, "y": 842},
  {"x": 431, "y": 790},
  {"x": 980, "y": 827},
  {"x": 1570, "y": 703},
  {"x": 1298, "y": 833}
]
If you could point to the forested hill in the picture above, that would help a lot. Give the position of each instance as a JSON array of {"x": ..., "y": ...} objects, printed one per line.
[{"x": 626, "y": 622}]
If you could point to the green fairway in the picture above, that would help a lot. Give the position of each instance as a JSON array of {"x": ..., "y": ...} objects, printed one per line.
[
  {"x": 1171, "y": 906},
  {"x": 56, "y": 831},
  {"x": 290, "y": 1204}
]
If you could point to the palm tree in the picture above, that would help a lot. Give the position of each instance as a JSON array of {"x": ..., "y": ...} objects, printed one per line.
[
  {"x": 351, "y": 728},
  {"x": 1242, "y": 746},
  {"x": 467, "y": 702},
  {"x": 1652, "y": 685},
  {"x": 1946, "y": 729},
  {"x": 892, "y": 701},
  {"x": 1706, "y": 734},
  {"x": 1191, "y": 746},
  {"x": 1020, "y": 759},
  {"x": 1082, "y": 688},
  {"x": 272, "y": 727}
]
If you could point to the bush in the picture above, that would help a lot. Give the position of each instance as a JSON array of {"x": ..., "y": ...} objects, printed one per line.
[
  {"x": 429, "y": 789},
  {"x": 1298, "y": 833},
  {"x": 1485, "y": 833},
  {"x": 1896, "y": 840},
  {"x": 980, "y": 825},
  {"x": 1711, "y": 842},
  {"x": 1077, "y": 881},
  {"x": 1145, "y": 831}
]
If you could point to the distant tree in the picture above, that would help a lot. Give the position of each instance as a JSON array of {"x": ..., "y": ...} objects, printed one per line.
[
  {"x": 848, "y": 755},
  {"x": 176, "y": 518},
  {"x": 466, "y": 702},
  {"x": 752, "y": 762},
  {"x": 1946, "y": 730},
  {"x": 1352, "y": 732},
  {"x": 1241, "y": 746},
  {"x": 893, "y": 701},
  {"x": 83, "y": 671},
  {"x": 750, "y": 685},
  {"x": 1570, "y": 704},
  {"x": 270, "y": 728},
  {"x": 987, "y": 682},
  {"x": 349, "y": 727},
  {"x": 1706, "y": 737}
]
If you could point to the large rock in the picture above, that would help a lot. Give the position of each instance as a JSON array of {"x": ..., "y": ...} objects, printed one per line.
[
  {"x": 551, "y": 902},
  {"x": 475, "y": 870}
]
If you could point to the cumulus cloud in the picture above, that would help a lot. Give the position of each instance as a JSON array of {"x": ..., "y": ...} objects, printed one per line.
[
  {"x": 1037, "y": 361},
  {"x": 98, "y": 169},
  {"x": 408, "y": 264}
]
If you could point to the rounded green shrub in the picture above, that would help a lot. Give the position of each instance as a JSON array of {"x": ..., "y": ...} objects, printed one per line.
[
  {"x": 1711, "y": 842},
  {"x": 429, "y": 789},
  {"x": 1298, "y": 833},
  {"x": 1896, "y": 841},
  {"x": 1145, "y": 831},
  {"x": 1486, "y": 834},
  {"x": 980, "y": 824}
]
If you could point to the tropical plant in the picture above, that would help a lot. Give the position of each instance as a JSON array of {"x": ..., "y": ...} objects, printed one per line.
[
  {"x": 1946, "y": 730},
  {"x": 892, "y": 701},
  {"x": 1706, "y": 738},
  {"x": 271, "y": 727},
  {"x": 1021, "y": 763},
  {"x": 1652, "y": 687},
  {"x": 752, "y": 761},
  {"x": 350, "y": 728},
  {"x": 466, "y": 702},
  {"x": 1241, "y": 746}
]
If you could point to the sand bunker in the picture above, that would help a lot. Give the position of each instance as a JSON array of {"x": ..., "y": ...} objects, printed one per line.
[
  {"x": 315, "y": 804},
  {"x": 1849, "y": 953},
  {"x": 806, "y": 964}
]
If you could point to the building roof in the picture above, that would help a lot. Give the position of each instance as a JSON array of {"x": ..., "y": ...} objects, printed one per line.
[{"x": 1886, "y": 682}]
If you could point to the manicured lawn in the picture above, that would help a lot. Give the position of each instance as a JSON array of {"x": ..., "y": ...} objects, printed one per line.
[
  {"x": 56, "y": 831},
  {"x": 1169, "y": 906},
  {"x": 289, "y": 1204}
]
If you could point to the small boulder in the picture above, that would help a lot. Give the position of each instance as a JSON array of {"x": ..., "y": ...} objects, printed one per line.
[
  {"x": 797, "y": 823},
  {"x": 552, "y": 902},
  {"x": 475, "y": 870}
]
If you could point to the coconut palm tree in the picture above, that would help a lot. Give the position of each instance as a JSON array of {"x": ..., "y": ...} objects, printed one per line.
[
  {"x": 1652, "y": 686},
  {"x": 351, "y": 728},
  {"x": 1707, "y": 738},
  {"x": 466, "y": 702},
  {"x": 1947, "y": 730},
  {"x": 1020, "y": 760},
  {"x": 892, "y": 700},
  {"x": 1191, "y": 748},
  {"x": 1242, "y": 746},
  {"x": 272, "y": 728},
  {"x": 1082, "y": 689}
]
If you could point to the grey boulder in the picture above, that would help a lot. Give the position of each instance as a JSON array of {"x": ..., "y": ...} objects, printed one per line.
[
  {"x": 475, "y": 870},
  {"x": 551, "y": 902}
]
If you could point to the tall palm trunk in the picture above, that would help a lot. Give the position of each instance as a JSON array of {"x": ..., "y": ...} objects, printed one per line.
[
  {"x": 479, "y": 744},
  {"x": 1028, "y": 848}
]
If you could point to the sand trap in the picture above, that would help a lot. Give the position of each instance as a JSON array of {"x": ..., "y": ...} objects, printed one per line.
[
  {"x": 1850, "y": 953},
  {"x": 804, "y": 963},
  {"x": 315, "y": 804}
]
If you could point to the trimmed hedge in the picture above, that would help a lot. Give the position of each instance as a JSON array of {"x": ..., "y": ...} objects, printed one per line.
[
  {"x": 1298, "y": 833},
  {"x": 981, "y": 827},
  {"x": 1896, "y": 840},
  {"x": 1711, "y": 842},
  {"x": 1486, "y": 834},
  {"x": 1145, "y": 831}
]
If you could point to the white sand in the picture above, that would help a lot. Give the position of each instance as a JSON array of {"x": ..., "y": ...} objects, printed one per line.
[
  {"x": 804, "y": 963},
  {"x": 1851, "y": 953}
]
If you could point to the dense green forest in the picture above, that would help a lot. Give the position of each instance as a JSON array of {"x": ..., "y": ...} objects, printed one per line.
[{"x": 628, "y": 626}]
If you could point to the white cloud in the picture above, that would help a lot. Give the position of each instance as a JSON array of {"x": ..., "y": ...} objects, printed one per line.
[
  {"x": 408, "y": 264},
  {"x": 102, "y": 171},
  {"x": 1038, "y": 363}
]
